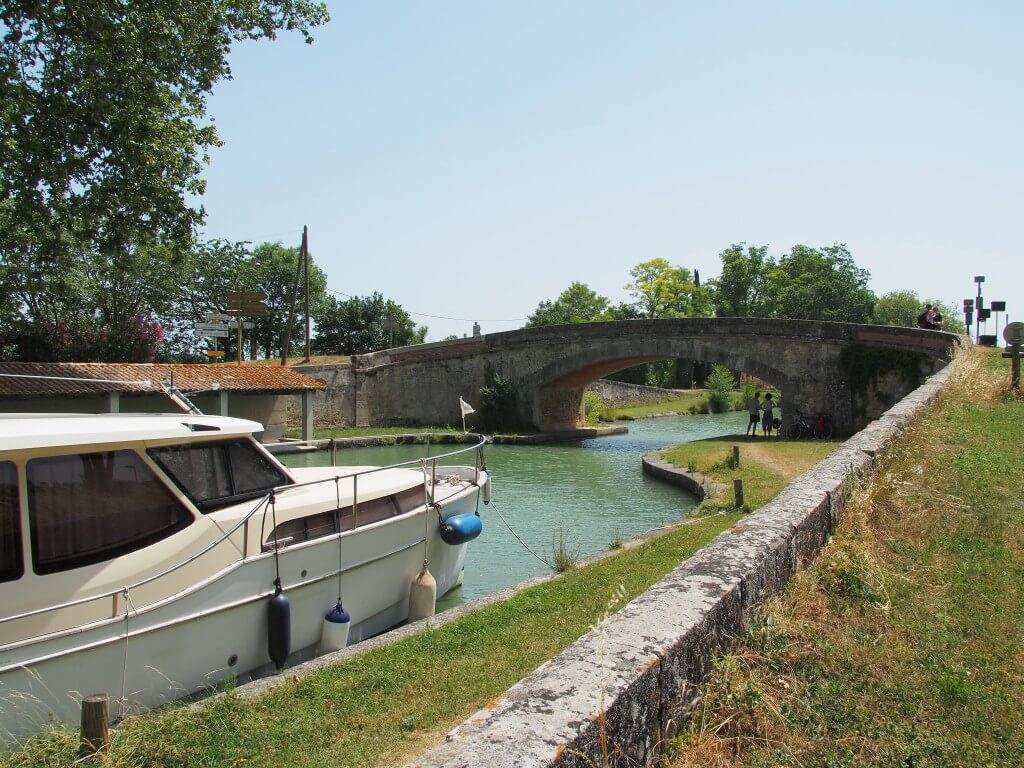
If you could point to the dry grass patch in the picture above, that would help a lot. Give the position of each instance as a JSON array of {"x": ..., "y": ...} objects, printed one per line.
[{"x": 901, "y": 645}]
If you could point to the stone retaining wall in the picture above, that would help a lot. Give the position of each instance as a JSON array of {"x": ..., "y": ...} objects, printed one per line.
[
  {"x": 627, "y": 684},
  {"x": 617, "y": 394},
  {"x": 699, "y": 485}
]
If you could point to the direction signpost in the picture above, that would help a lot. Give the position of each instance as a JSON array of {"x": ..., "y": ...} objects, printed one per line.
[{"x": 247, "y": 304}]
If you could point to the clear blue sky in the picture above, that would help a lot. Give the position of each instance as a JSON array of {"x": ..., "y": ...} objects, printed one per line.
[{"x": 469, "y": 159}]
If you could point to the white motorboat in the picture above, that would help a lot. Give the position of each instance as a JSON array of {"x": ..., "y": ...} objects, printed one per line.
[{"x": 140, "y": 556}]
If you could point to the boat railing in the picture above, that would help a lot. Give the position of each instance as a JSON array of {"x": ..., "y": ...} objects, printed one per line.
[{"x": 243, "y": 523}]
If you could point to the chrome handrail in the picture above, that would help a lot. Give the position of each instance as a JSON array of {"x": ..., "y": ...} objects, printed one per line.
[{"x": 262, "y": 502}]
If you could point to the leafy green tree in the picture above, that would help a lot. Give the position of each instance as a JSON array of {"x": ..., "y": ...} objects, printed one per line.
[
  {"x": 662, "y": 290},
  {"x": 745, "y": 287},
  {"x": 272, "y": 270},
  {"x": 358, "y": 325},
  {"x": 720, "y": 384},
  {"x": 902, "y": 308},
  {"x": 102, "y": 119},
  {"x": 576, "y": 304},
  {"x": 822, "y": 284},
  {"x": 897, "y": 308}
]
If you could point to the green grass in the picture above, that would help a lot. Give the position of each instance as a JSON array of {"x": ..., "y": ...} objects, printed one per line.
[
  {"x": 383, "y": 706},
  {"x": 679, "y": 404},
  {"x": 901, "y": 646},
  {"x": 766, "y": 465}
]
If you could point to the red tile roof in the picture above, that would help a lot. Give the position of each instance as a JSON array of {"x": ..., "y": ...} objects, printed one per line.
[{"x": 16, "y": 378}]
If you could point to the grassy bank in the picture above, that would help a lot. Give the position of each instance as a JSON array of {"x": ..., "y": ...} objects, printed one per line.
[
  {"x": 766, "y": 465},
  {"x": 384, "y": 706},
  {"x": 902, "y": 645},
  {"x": 391, "y": 703}
]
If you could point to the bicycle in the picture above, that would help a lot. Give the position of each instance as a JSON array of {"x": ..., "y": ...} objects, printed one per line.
[{"x": 803, "y": 425}]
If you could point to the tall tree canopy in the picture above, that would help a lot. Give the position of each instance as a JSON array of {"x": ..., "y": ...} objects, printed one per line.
[
  {"x": 902, "y": 308},
  {"x": 359, "y": 324},
  {"x": 744, "y": 289},
  {"x": 102, "y": 130},
  {"x": 576, "y": 304},
  {"x": 822, "y": 284},
  {"x": 662, "y": 290},
  {"x": 804, "y": 284}
]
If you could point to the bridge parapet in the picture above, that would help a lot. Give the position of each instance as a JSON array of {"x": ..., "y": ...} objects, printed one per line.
[{"x": 552, "y": 365}]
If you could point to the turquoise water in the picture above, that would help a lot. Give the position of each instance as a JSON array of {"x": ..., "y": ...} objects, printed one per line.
[{"x": 592, "y": 491}]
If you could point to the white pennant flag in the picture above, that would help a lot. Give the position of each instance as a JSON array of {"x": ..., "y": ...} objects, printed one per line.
[{"x": 466, "y": 407}]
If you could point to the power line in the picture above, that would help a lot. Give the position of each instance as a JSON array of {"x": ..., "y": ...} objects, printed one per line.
[{"x": 441, "y": 317}]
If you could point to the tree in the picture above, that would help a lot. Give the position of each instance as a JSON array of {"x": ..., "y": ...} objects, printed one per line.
[
  {"x": 219, "y": 267},
  {"x": 897, "y": 308},
  {"x": 745, "y": 287},
  {"x": 576, "y": 304},
  {"x": 661, "y": 290},
  {"x": 720, "y": 384},
  {"x": 357, "y": 325},
  {"x": 102, "y": 131},
  {"x": 821, "y": 284},
  {"x": 901, "y": 308}
]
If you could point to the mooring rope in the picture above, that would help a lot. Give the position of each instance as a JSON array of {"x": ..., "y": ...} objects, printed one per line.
[{"x": 518, "y": 537}]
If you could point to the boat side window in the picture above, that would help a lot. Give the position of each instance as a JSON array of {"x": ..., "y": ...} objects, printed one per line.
[
  {"x": 327, "y": 523},
  {"x": 216, "y": 475},
  {"x": 86, "y": 508},
  {"x": 10, "y": 524}
]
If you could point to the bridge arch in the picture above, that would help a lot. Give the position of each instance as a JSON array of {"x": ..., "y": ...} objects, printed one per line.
[{"x": 552, "y": 365}]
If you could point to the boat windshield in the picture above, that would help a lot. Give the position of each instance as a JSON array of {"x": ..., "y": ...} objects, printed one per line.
[
  {"x": 10, "y": 528},
  {"x": 217, "y": 475}
]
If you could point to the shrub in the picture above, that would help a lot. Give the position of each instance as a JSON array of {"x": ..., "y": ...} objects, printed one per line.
[
  {"x": 720, "y": 384},
  {"x": 498, "y": 403},
  {"x": 593, "y": 407}
]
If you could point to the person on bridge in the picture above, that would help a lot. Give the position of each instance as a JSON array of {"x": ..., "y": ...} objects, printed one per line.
[
  {"x": 754, "y": 409},
  {"x": 927, "y": 319}
]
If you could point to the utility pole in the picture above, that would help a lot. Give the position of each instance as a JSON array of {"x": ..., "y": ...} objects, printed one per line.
[
  {"x": 305, "y": 262},
  {"x": 287, "y": 340}
]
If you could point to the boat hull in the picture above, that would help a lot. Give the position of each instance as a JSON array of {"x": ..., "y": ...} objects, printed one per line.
[{"x": 217, "y": 630}]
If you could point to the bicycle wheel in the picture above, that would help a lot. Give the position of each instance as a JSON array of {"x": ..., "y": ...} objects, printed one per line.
[
  {"x": 825, "y": 433},
  {"x": 796, "y": 430}
]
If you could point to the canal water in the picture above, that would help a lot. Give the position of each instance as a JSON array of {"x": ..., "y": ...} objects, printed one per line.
[{"x": 590, "y": 491}]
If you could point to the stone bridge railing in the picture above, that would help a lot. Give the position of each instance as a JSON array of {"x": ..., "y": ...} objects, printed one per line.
[{"x": 551, "y": 366}]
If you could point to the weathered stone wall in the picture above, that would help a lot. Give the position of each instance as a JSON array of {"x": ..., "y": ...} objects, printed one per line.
[
  {"x": 334, "y": 407},
  {"x": 626, "y": 686},
  {"x": 617, "y": 394},
  {"x": 552, "y": 366}
]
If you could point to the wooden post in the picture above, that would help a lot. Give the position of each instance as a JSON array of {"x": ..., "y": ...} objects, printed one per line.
[
  {"x": 736, "y": 455},
  {"x": 95, "y": 734},
  {"x": 737, "y": 487}
]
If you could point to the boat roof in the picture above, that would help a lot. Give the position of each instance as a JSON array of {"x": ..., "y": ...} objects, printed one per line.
[{"x": 20, "y": 431}]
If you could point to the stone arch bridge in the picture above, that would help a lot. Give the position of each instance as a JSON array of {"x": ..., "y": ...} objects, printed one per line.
[{"x": 852, "y": 371}]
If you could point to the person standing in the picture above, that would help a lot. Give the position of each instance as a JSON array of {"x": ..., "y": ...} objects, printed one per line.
[
  {"x": 754, "y": 409},
  {"x": 769, "y": 415}
]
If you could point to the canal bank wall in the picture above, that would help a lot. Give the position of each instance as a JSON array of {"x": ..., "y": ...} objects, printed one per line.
[{"x": 618, "y": 692}]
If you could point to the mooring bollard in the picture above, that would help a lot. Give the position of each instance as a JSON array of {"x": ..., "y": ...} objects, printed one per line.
[
  {"x": 737, "y": 487},
  {"x": 95, "y": 725},
  {"x": 736, "y": 455}
]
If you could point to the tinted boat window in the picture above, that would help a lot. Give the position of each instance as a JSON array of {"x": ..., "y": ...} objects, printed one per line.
[
  {"x": 215, "y": 475},
  {"x": 90, "y": 507},
  {"x": 10, "y": 524}
]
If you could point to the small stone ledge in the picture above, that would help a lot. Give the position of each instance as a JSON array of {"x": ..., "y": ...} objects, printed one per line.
[
  {"x": 694, "y": 482},
  {"x": 627, "y": 685}
]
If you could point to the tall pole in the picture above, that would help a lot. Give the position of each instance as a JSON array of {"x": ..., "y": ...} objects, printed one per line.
[
  {"x": 287, "y": 340},
  {"x": 305, "y": 261}
]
